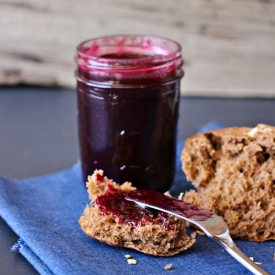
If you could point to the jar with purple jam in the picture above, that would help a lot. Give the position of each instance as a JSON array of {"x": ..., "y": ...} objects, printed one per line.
[{"x": 128, "y": 90}]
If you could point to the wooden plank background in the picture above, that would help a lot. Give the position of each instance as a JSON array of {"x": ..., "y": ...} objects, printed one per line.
[{"x": 228, "y": 46}]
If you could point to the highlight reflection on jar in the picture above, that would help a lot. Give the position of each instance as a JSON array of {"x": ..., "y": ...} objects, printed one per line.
[{"x": 128, "y": 90}]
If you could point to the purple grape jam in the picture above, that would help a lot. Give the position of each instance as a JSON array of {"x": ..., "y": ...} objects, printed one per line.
[{"x": 128, "y": 92}]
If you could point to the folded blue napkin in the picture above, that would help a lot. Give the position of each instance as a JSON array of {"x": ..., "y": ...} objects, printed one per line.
[{"x": 44, "y": 213}]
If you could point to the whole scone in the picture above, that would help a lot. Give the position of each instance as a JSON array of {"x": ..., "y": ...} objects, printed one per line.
[
  {"x": 118, "y": 222},
  {"x": 233, "y": 170}
]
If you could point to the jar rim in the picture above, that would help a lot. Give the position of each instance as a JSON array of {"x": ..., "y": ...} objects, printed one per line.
[{"x": 149, "y": 50}]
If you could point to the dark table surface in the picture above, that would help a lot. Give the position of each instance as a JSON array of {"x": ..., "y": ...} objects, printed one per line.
[{"x": 38, "y": 135}]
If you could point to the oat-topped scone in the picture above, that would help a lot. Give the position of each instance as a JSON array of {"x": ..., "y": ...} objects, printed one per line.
[
  {"x": 233, "y": 170},
  {"x": 113, "y": 220}
]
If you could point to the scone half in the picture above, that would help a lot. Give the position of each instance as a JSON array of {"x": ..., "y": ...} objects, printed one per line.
[
  {"x": 233, "y": 170},
  {"x": 117, "y": 222}
]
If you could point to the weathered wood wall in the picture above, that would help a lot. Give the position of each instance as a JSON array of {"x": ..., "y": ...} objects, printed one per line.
[{"x": 228, "y": 46}]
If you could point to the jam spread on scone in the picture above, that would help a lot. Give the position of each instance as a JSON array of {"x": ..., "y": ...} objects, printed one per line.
[
  {"x": 114, "y": 204},
  {"x": 169, "y": 203}
]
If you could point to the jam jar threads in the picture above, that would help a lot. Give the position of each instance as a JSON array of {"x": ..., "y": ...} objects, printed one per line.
[{"x": 128, "y": 90}]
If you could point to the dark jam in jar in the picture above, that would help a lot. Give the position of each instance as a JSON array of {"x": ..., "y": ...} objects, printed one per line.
[{"x": 128, "y": 92}]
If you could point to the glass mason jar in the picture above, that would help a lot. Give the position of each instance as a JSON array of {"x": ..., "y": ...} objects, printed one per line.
[{"x": 128, "y": 90}]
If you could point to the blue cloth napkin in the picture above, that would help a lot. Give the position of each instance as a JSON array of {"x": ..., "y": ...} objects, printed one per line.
[{"x": 44, "y": 213}]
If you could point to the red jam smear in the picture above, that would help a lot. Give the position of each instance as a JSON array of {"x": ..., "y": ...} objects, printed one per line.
[
  {"x": 114, "y": 204},
  {"x": 99, "y": 177},
  {"x": 169, "y": 203}
]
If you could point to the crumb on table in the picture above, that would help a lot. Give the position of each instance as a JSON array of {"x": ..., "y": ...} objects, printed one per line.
[
  {"x": 132, "y": 261},
  {"x": 168, "y": 266}
]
